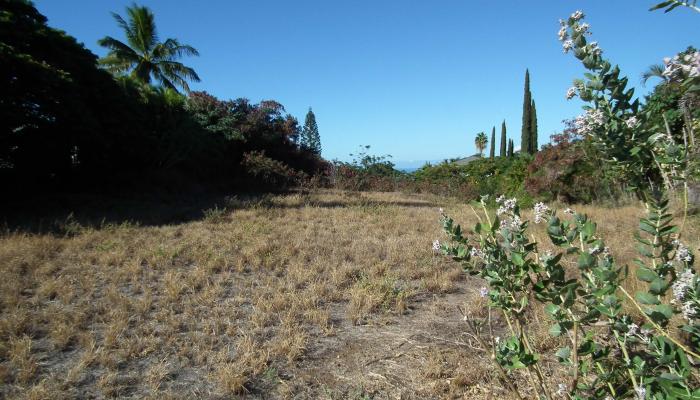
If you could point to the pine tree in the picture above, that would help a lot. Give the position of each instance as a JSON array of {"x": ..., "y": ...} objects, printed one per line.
[
  {"x": 510, "y": 148},
  {"x": 310, "y": 139},
  {"x": 492, "y": 153},
  {"x": 526, "y": 132},
  {"x": 533, "y": 129},
  {"x": 503, "y": 139}
]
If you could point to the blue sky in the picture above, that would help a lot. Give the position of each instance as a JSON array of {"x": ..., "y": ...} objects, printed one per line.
[{"x": 412, "y": 78}]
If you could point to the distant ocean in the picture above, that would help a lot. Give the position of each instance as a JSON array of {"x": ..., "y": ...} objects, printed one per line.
[{"x": 408, "y": 170}]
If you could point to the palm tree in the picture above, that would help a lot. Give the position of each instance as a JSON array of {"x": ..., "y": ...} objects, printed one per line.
[
  {"x": 481, "y": 142},
  {"x": 654, "y": 71},
  {"x": 144, "y": 55}
]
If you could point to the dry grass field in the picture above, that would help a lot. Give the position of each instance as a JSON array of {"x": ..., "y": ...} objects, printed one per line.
[{"x": 323, "y": 295}]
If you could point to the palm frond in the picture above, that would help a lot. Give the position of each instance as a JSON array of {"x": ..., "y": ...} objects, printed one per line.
[
  {"x": 176, "y": 68},
  {"x": 142, "y": 23},
  {"x": 654, "y": 71},
  {"x": 118, "y": 48}
]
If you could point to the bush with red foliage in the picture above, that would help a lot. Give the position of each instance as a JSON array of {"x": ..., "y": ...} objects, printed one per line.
[{"x": 569, "y": 170}]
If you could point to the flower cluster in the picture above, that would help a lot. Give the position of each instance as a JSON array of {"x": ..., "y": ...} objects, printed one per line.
[
  {"x": 682, "y": 253},
  {"x": 541, "y": 212},
  {"x": 477, "y": 253},
  {"x": 680, "y": 288},
  {"x": 632, "y": 122},
  {"x": 587, "y": 123},
  {"x": 682, "y": 66},
  {"x": 507, "y": 205},
  {"x": 571, "y": 92},
  {"x": 436, "y": 245}
]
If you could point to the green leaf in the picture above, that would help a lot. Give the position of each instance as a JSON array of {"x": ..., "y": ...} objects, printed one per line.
[
  {"x": 585, "y": 261},
  {"x": 563, "y": 354},
  {"x": 517, "y": 259},
  {"x": 646, "y": 298},
  {"x": 658, "y": 286},
  {"x": 555, "y": 330},
  {"x": 646, "y": 275}
]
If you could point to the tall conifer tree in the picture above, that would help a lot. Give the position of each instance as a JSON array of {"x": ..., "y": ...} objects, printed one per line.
[
  {"x": 533, "y": 129},
  {"x": 526, "y": 132},
  {"x": 310, "y": 138},
  {"x": 510, "y": 148},
  {"x": 503, "y": 139},
  {"x": 492, "y": 153}
]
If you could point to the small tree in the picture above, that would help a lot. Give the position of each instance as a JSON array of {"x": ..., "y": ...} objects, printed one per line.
[
  {"x": 503, "y": 139},
  {"x": 480, "y": 141},
  {"x": 492, "y": 153}
]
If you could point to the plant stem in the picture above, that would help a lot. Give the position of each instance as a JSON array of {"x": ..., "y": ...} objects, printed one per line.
[{"x": 626, "y": 355}]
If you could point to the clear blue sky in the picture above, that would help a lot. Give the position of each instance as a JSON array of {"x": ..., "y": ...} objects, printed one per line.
[{"x": 412, "y": 78}]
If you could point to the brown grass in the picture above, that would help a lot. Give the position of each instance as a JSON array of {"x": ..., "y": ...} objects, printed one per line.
[{"x": 321, "y": 295}]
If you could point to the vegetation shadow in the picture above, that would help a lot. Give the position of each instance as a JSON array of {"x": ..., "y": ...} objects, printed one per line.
[{"x": 66, "y": 214}]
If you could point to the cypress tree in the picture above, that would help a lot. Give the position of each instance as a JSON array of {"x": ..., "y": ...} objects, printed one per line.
[
  {"x": 503, "y": 139},
  {"x": 492, "y": 153},
  {"x": 510, "y": 148},
  {"x": 533, "y": 129},
  {"x": 526, "y": 132},
  {"x": 310, "y": 138}
]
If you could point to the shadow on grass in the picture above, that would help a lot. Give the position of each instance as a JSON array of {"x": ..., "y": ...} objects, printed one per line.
[{"x": 66, "y": 214}]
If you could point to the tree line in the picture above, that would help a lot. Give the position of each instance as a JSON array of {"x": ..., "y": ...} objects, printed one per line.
[{"x": 71, "y": 121}]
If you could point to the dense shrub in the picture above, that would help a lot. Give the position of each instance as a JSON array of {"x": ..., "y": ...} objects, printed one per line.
[
  {"x": 569, "y": 170},
  {"x": 479, "y": 177},
  {"x": 269, "y": 173}
]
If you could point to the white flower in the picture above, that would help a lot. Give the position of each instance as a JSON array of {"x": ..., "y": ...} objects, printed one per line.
[
  {"x": 688, "y": 310},
  {"x": 569, "y": 211},
  {"x": 541, "y": 212},
  {"x": 595, "y": 250},
  {"x": 476, "y": 253},
  {"x": 562, "y": 389},
  {"x": 682, "y": 253},
  {"x": 582, "y": 28},
  {"x": 568, "y": 45},
  {"x": 570, "y": 93},
  {"x": 497, "y": 339},
  {"x": 683, "y": 282},
  {"x": 641, "y": 393},
  {"x": 483, "y": 292},
  {"x": 436, "y": 245},
  {"x": 632, "y": 122},
  {"x": 587, "y": 123},
  {"x": 577, "y": 15},
  {"x": 500, "y": 199},
  {"x": 441, "y": 210},
  {"x": 507, "y": 205},
  {"x": 595, "y": 50},
  {"x": 563, "y": 33},
  {"x": 632, "y": 329}
]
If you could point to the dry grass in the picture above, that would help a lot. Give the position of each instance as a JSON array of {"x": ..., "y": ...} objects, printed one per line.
[{"x": 321, "y": 295}]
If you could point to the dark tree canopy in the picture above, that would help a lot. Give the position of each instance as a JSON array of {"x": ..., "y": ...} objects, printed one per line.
[{"x": 492, "y": 152}]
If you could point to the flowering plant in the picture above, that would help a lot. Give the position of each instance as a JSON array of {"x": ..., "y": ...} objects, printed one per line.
[{"x": 608, "y": 352}]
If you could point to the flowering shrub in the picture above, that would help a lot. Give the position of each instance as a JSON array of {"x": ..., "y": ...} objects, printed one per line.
[{"x": 608, "y": 352}]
